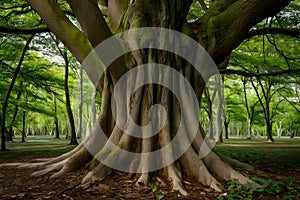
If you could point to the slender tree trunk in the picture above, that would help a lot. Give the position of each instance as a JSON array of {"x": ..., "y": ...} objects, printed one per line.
[
  {"x": 219, "y": 113},
  {"x": 9, "y": 136},
  {"x": 249, "y": 122},
  {"x": 279, "y": 129},
  {"x": 226, "y": 127},
  {"x": 56, "y": 126},
  {"x": 23, "y": 126},
  {"x": 209, "y": 101},
  {"x": 79, "y": 126},
  {"x": 266, "y": 91},
  {"x": 73, "y": 140},
  {"x": 12, "y": 83},
  {"x": 268, "y": 111}
]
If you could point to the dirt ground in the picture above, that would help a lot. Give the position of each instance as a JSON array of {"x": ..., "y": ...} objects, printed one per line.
[{"x": 18, "y": 184}]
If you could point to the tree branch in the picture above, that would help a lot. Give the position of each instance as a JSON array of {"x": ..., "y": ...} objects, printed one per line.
[
  {"x": 13, "y": 30},
  {"x": 294, "y": 32},
  {"x": 88, "y": 13},
  {"x": 203, "y": 5},
  {"x": 291, "y": 103},
  {"x": 62, "y": 27},
  {"x": 14, "y": 7},
  {"x": 223, "y": 35},
  {"x": 253, "y": 74},
  {"x": 116, "y": 10}
]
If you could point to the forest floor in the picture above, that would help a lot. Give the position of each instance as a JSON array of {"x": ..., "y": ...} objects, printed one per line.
[{"x": 278, "y": 164}]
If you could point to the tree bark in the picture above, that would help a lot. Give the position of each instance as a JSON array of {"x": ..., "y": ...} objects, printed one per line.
[
  {"x": 73, "y": 140},
  {"x": 9, "y": 136},
  {"x": 56, "y": 126},
  {"x": 23, "y": 126},
  {"x": 249, "y": 121},
  {"x": 79, "y": 126}
]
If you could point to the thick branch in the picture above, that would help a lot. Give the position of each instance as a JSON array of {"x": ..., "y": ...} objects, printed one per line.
[
  {"x": 89, "y": 14},
  {"x": 203, "y": 5},
  {"x": 253, "y": 74},
  {"x": 294, "y": 32},
  {"x": 13, "y": 30},
  {"x": 61, "y": 26},
  {"x": 227, "y": 23},
  {"x": 116, "y": 10}
]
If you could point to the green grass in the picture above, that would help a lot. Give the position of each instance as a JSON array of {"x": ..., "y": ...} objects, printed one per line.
[
  {"x": 34, "y": 147},
  {"x": 284, "y": 152}
]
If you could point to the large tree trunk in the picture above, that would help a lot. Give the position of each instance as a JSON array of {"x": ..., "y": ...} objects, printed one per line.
[{"x": 219, "y": 35}]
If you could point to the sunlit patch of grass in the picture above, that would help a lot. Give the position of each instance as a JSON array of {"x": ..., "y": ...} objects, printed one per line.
[
  {"x": 35, "y": 147},
  {"x": 283, "y": 151}
]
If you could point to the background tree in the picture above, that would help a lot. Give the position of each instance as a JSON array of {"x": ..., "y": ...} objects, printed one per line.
[{"x": 11, "y": 85}]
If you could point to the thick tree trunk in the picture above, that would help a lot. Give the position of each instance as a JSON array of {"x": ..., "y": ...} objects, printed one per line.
[{"x": 224, "y": 25}]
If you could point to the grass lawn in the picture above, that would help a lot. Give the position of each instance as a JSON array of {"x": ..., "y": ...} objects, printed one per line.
[
  {"x": 34, "y": 147},
  {"x": 284, "y": 152}
]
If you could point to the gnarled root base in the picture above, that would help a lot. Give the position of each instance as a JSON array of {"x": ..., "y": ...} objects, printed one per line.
[{"x": 206, "y": 170}]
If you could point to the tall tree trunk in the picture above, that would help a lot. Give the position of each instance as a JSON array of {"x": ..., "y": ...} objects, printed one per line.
[
  {"x": 219, "y": 113},
  {"x": 266, "y": 93},
  {"x": 73, "y": 140},
  {"x": 279, "y": 129},
  {"x": 9, "y": 136},
  {"x": 11, "y": 85},
  {"x": 249, "y": 122},
  {"x": 226, "y": 127},
  {"x": 79, "y": 126},
  {"x": 23, "y": 126},
  {"x": 268, "y": 112},
  {"x": 56, "y": 126},
  {"x": 209, "y": 101}
]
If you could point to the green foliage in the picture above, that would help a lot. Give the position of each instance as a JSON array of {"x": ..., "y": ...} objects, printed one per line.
[
  {"x": 286, "y": 189},
  {"x": 158, "y": 196},
  {"x": 113, "y": 192}
]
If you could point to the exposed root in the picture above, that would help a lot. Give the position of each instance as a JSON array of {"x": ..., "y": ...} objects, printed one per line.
[
  {"x": 11, "y": 165},
  {"x": 221, "y": 169},
  {"x": 97, "y": 174},
  {"x": 235, "y": 163},
  {"x": 176, "y": 178},
  {"x": 193, "y": 164},
  {"x": 50, "y": 168},
  {"x": 216, "y": 165},
  {"x": 143, "y": 180}
]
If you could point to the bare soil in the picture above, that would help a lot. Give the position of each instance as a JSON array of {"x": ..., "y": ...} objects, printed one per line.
[{"x": 18, "y": 184}]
